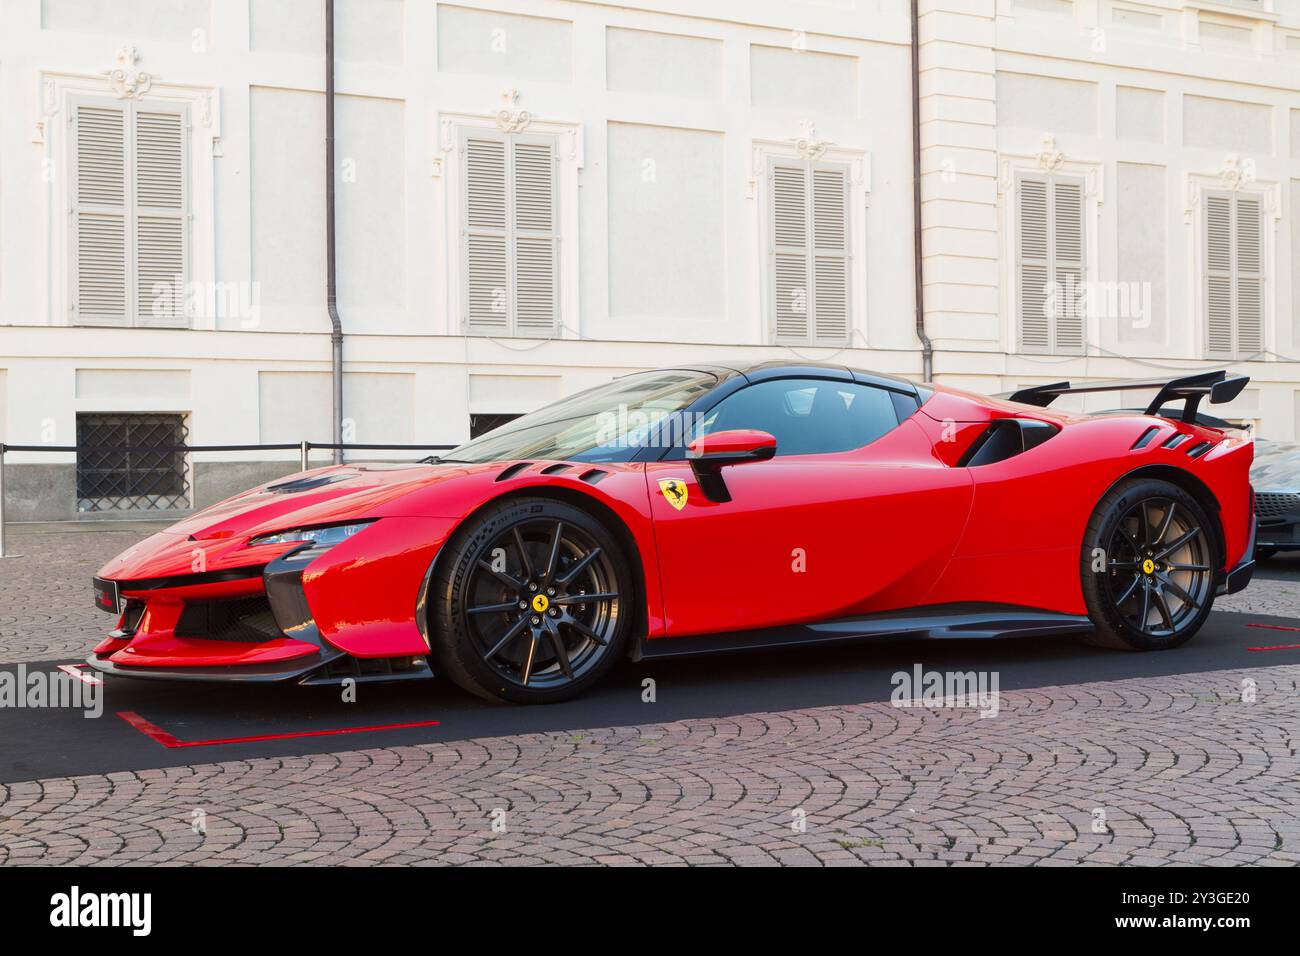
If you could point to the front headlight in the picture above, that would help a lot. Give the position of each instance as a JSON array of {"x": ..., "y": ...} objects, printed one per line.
[{"x": 318, "y": 538}]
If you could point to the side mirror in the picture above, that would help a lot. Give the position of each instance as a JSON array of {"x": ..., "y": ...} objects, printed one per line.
[{"x": 709, "y": 454}]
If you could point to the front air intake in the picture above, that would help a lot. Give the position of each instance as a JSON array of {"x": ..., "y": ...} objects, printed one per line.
[{"x": 246, "y": 620}]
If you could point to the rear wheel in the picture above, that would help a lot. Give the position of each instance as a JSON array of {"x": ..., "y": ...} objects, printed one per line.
[
  {"x": 1148, "y": 567},
  {"x": 532, "y": 603}
]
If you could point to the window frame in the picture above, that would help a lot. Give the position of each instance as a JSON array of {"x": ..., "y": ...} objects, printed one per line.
[
  {"x": 900, "y": 400},
  {"x": 132, "y": 212},
  {"x": 810, "y": 168},
  {"x": 1233, "y": 274},
  {"x": 1011, "y": 167},
  {"x": 178, "y": 465},
  {"x": 1052, "y": 261},
  {"x": 510, "y": 233},
  {"x": 52, "y": 134}
]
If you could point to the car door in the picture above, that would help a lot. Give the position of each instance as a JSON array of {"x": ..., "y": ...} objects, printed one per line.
[{"x": 854, "y": 513}]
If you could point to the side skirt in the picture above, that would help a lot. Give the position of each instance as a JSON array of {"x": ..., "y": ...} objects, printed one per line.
[{"x": 941, "y": 622}]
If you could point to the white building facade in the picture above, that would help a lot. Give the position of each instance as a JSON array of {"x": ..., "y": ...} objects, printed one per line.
[{"x": 534, "y": 196}]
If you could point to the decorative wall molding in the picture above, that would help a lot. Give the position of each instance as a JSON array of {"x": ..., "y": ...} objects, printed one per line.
[
  {"x": 807, "y": 147},
  {"x": 125, "y": 81},
  {"x": 510, "y": 119},
  {"x": 1236, "y": 175},
  {"x": 1049, "y": 159},
  {"x": 569, "y": 134},
  {"x": 807, "y": 144}
]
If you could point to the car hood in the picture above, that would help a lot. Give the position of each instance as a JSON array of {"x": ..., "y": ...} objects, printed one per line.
[
  {"x": 321, "y": 496},
  {"x": 215, "y": 539}
]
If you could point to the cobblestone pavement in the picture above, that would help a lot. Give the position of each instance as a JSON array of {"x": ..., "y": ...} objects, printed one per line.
[
  {"x": 1174, "y": 769},
  {"x": 45, "y": 609}
]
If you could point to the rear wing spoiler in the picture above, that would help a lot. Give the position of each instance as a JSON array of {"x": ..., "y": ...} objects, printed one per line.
[{"x": 1218, "y": 386}]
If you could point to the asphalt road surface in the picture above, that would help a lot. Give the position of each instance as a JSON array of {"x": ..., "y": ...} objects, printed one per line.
[{"x": 62, "y": 742}]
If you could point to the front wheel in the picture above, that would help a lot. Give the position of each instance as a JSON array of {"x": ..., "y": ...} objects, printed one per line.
[
  {"x": 531, "y": 603},
  {"x": 1148, "y": 566}
]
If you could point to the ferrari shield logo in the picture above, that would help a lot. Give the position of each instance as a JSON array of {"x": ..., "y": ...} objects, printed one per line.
[{"x": 675, "y": 491}]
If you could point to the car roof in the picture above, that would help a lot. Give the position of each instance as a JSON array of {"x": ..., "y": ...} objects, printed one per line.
[{"x": 760, "y": 371}]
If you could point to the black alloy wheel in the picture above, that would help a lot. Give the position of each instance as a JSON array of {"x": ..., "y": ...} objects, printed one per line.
[
  {"x": 1159, "y": 553},
  {"x": 535, "y": 603}
]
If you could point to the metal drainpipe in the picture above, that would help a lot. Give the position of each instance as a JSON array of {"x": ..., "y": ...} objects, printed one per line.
[
  {"x": 927, "y": 347},
  {"x": 331, "y": 285}
]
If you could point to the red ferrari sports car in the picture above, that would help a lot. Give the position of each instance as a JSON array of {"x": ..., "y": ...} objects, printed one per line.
[{"x": 705, "y": 509}]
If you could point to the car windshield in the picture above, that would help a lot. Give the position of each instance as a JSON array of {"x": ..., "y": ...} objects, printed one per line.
[{"x": 608, "y": 423}]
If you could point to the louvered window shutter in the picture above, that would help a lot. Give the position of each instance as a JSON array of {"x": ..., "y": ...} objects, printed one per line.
[
  {"x": 791, "y": 285},
  {"x": 510, "y": 235},
  {"x": 160, "y": 217},
  {"x": 809, "y": 260},
  {"x": 99, "y": 245},
  {"x": 830, "y": 257},
  {"x": 1067, "y": 262},
  {"x": 1218, "y": 275},
  {"x": 486, "y": 274},
  {"x": 1033, "y": 268},
  {"x": 1234, "y": 276},
  {"x": 130, "y": 214},
  {"x": 1050, "y": 266},
  {"x": 1250, "y": 278},
  {"x": 534, "y": 237}
]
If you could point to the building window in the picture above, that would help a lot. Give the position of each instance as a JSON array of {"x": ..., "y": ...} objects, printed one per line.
[
  {"x": 128, "y": 463},
  {"x": 1234, "y": 277},
  {"x": 1050, "y": 263},
  {"x": 481, "y": 424},
  {"x": 809, "y": 260},
  {"x": 130, "y": 213},
  {"x": 509, "y": 234}
]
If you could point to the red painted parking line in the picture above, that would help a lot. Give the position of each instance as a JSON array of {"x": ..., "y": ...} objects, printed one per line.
[
  {"x": 78, "y": 671},
  {"x": 1276, "y": 647},
  {"x": 171, "y": 741}
]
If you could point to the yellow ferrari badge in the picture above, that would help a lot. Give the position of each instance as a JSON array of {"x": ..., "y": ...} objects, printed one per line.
[{"x": 675, "y": 491}]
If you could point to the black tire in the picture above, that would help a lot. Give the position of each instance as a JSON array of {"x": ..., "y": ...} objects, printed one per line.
[
  {"x": 577, "y": 592},
  {"x": 1156, "y": 547}
]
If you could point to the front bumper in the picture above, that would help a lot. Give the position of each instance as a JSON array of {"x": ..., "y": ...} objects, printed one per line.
[{"x": 300, "y": 669}]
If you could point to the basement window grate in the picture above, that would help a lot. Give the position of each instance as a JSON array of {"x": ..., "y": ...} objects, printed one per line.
[{"x": 126, "y": 463}]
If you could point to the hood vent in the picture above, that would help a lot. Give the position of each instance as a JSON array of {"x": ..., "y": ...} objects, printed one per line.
[
  {"x": 513, "y": 470},
  {"x": 593, "y": 476},
  {"x": 307, "y": 484},
  {"x": 555, "y": 469}
]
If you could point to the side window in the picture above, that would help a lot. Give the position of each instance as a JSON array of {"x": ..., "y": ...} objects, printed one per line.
[{"x": 807, "y": 416}]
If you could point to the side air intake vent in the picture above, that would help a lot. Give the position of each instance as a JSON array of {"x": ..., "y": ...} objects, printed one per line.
[
  {"x": 593, "y": 475},
  {"x": 1145, "y": 438},
  {"x": 1005, "y": 439},
  {"x": 555, "y": 469},
  {"x": 513, "y": 470},
  {"x": 1174, "y": 440},
  {"x": 1199, "y": 449}
]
